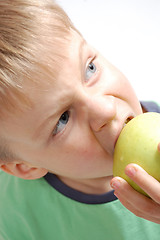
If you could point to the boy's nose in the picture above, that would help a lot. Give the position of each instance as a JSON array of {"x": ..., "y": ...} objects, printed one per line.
[{"x": 101, "y": 110}]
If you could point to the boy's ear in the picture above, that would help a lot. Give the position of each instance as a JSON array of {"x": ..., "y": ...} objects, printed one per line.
[{"x": 22, "y": 170}]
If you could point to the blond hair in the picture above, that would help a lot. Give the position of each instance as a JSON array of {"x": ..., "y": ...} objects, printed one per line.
[{"x": 28, "y": 29}]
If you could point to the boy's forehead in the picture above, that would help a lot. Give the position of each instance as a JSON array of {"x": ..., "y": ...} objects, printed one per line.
[
  {"x": 53, "y": 61},
  {"x": 54, "y": 69}
]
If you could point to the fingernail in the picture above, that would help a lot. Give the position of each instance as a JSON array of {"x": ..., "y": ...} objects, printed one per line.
[
  {"x": 115, "y": 184},
  {"x": 131, "y": 171}
]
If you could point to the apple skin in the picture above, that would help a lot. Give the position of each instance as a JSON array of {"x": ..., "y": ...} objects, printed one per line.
[{"x": 138, "y": 143}]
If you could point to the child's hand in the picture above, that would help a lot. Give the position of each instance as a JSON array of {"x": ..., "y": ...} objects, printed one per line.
[{"x": 140, "y": 205}]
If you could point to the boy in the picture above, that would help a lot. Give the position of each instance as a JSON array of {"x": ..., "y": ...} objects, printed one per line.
[{"x": 63, "y": 107}]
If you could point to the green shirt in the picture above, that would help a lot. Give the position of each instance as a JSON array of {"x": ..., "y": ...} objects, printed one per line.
[{"x": 34, "y": 210}]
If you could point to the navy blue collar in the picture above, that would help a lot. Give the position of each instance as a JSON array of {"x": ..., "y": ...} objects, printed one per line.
[{"x": 78, "y": 196}]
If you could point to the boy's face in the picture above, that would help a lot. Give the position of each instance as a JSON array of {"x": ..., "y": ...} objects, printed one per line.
[{"x": 74, "y": 124}]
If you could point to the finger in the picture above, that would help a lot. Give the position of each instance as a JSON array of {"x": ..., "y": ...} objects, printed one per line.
[
  {"x": 133, "y": 200},
  {"x": 136, "y": 211},
  {"x": 149, "y": 184}
]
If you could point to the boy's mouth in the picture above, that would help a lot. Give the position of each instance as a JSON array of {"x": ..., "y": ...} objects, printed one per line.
[{"x": 127, "y": 121}]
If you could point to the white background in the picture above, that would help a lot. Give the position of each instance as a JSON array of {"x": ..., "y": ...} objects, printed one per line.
[{"x": 127, "y": 33}]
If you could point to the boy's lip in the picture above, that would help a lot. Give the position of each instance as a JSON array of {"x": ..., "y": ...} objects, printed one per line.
[{"x": 126, "y": 120}]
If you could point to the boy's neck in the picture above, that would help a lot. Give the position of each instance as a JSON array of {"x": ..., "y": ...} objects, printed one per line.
[{"x": 89, "y": 186}]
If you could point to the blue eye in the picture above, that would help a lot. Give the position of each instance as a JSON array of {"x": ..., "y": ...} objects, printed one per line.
[
  {"x": 61, "y": 123},
  {"x": 91, "y": 69}
]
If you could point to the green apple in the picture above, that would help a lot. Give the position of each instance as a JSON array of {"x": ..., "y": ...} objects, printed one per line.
[{"x": 138, "y": 143}]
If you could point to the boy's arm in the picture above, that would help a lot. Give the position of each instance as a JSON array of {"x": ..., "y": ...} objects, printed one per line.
[{"x": 140, "y": 205}]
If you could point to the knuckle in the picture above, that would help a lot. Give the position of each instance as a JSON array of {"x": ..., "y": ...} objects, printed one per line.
[
  {"x": 149, "y": 209},
  {"x": 146, "y": 209}
]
